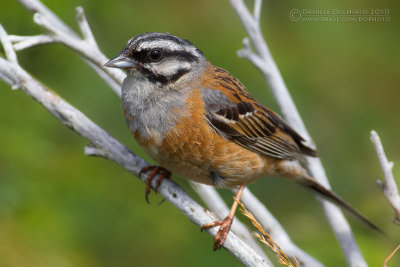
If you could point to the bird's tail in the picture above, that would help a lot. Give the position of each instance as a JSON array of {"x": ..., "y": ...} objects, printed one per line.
[{"x": 311, "y": 183}]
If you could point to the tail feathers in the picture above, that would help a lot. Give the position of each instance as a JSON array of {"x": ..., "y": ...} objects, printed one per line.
[{"x": 335, "y": 199}]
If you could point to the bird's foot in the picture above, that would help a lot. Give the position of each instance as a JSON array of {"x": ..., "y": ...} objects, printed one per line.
[
  {"x": 155, "y": 171},
  {"x": 224, "y": 227}
]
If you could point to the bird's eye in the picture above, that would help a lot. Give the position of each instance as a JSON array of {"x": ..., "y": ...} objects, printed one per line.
[{"x": 155, "y": 55}]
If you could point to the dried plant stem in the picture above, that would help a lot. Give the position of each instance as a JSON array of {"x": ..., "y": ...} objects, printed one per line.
[
  {"x": 266, "y": 239},
  {"x": 390, "y": 256}
]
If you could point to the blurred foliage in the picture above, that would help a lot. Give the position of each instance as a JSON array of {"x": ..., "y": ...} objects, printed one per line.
[{"x": 60, "y": 208}]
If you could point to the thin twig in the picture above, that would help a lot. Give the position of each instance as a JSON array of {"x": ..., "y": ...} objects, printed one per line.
[
  {"x": 247, "y": 53},
  {"x": 257, "y": 10},
  {"x": 61, "y": 33},
  {"x": 7, "y": 45},
  {"x": 24, "y": 42},
  {"x": 389, "y": 186},
  {"x": 84, "y": 26},
  {"x": 35, "y": 6}
]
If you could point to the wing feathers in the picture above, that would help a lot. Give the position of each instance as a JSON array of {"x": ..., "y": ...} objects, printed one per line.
[{"x": 235, "y": 115}]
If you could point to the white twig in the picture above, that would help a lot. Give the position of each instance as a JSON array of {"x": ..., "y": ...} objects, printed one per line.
[
  {"x": 24, "y": 42},
  {"x": 61, "y": 33},
  {"x": 7, "y": 45},
  {"x": 275, "y": 81},
  {"x": 92, "y": 150},
  {"x": 103, "y": 144},
  {"x": 6, "y": 79},
  {"x": 84, "y": 26},
  {"x": 389, "y": 186},
  {"x": 8, "y": 75},
  {"x": 35, "y": 6},
  {"x": 257, "y": 10},
  {"x": 246, "y": 52}
]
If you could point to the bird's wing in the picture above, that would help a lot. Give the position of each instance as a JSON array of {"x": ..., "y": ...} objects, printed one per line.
[{"x": 235, "y": 115}]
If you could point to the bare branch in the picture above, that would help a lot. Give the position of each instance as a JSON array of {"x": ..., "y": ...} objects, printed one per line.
[
  {"x": 60, "y": 32},
  {"x": 275, "y": 81},
  {"x": 7, "y": 79},
  {"x": 247, "y": 53},
  {"x": 24, "y": 42},
  {"x": 389, "y": 186},
  {"x": 92, "y": 150},
  {"x": 84, "y": 26},
  {"x": 35, "y": 6},
  {"x": 8, "y": 48},
  {"x": 257, "y": 10}
]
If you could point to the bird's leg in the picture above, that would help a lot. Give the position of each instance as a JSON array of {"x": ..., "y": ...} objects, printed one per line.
[
  {"x": 226, "y": 224},
  {"x": 155, "y": 170}
]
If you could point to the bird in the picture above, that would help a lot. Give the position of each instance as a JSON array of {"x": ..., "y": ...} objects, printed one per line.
[{"x": 198, "y": 121}]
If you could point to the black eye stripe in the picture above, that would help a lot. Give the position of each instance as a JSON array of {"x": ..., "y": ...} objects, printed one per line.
[
  {"x": 162, "y": 79},
  {"x": 182, "y": 55},
  {"x": 143, "y": 55},
  {"x": 140, "y": 56}
]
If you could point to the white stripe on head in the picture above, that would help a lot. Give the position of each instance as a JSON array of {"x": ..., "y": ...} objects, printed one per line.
[
  {"x": 148, "y": 41},
  {"x": 171, "y": 45}
]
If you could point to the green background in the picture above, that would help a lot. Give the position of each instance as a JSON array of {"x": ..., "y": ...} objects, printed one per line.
[{"x": 61, "y": 208}]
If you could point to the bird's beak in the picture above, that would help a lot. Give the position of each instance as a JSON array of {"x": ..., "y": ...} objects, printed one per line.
[{"x": 121, "y": 61}]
